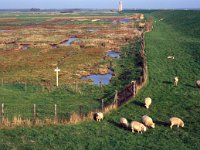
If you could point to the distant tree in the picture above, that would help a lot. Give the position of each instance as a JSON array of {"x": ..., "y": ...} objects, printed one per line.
[{"x": 35, "y": 9}]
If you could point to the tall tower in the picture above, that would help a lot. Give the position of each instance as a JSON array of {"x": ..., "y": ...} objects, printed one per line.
[{"x": 120, "y": 9}]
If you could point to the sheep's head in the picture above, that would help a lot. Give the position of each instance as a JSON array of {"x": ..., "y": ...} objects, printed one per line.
[
  {"x": 153, "y": 125},
  {"x": 182, "y": 124},
  {"x": 176, "y": 78}
]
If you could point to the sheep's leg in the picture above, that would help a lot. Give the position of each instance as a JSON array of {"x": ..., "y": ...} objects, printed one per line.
[
  {"x": 171, "y": 126},
  {"x": 175, "y": 84},
  {"x": 133, "y": 130}
]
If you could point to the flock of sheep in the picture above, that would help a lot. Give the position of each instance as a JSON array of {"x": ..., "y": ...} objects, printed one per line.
[
  {"x": 147, "y": 121},
  {"x": 176, "y": 79}
]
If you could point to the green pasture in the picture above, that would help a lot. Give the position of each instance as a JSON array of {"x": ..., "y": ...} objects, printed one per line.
[{"x": 174, "y": 35}]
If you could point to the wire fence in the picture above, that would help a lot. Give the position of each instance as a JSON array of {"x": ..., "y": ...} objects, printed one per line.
[
  {"x": 40, "y": 114},
  {"x": 27, "y": 114},
  {"x": 9, "y": 112}
]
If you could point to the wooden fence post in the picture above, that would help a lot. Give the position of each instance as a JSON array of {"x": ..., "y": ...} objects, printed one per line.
[
  {"x": 80, "y": 110},
  {"x": 55, "y": 117},
  {"x": 144, "y": 74},
  {"x": 141, "y": 80},
  {"x": 101, "y": 86},
  {"x": 76, "y": 82},
  {"x": 34, "y": 113},
  {"x": 134, "y": 88},
  {"x": 2, "y": 82},
  {"x": 102, "y": 104},
  {"x": 116, "y": 97},
  {"x": 2, "y": 113}
]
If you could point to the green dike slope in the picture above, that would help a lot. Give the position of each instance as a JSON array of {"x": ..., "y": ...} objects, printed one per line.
[{"x": 173, "y": 36}]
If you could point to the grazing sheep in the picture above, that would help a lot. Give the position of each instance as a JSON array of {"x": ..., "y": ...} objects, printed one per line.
[
  {"x": 147, "y": 102},
  {"x": 99, "y": 116},
  {"x": 123, "y": 122},
  {"x": 137, "y": 126},
  {"x": 198, "y": 83},
  {"x": 176, "y": 79},
  {"x": 170, "y": 57},
  {"x": 176, "y": 121},
  {"x": 148, "y": 121}
]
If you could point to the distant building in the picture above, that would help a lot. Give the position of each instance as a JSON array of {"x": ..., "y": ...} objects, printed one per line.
[{"x": 120, "y": 9}]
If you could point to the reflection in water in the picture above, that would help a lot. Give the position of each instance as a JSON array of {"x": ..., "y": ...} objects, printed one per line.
[
  {"x": 69, "y": 41},
  {"x": 99, "y": 79},
  {"x": 103, "y": 79},
  {"x": 91, "y": 30},
  {"x": 122, "y": 21},
  {"x": 113, "y": 54}
]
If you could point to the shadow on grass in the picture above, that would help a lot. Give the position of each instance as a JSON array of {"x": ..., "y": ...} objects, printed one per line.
[
  {"x": 118, "y": 125},
  {"x": 192, "y": 86},
  {"x": 168, "y": 82},
  {"x": 138, "y": 103},
  {"x": 161, "y": 123}
]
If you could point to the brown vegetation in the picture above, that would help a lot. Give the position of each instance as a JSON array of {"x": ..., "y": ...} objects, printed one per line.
[{"x": 42, "y": 56}]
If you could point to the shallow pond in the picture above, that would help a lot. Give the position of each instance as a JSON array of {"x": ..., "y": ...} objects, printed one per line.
[
  {"x": 103, "y": 79},
  {"x": 91, "y": 30},
  {"x": 69, "y": 41},
  {"x": 97, "y": 78},
  {"x": 25, "y": 46},
  {"x": 113, "y": 54},
  {"x": 122, "y": 21}
]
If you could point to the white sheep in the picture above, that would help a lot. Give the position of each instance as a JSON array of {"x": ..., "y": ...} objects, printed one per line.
[
  {"x": 198, "y": 83},
  {"x": 99, "y": 116},
  {"x": 148, "y": 121},
  {"x": 137, "y": 126},
  {"x": 176, "y": 121},
  {"x": 176, "y": 79},
  {"x": 147, "y": 102},
  {"x": 124, "y": 122},
  {"x": 170, "y": 57}
]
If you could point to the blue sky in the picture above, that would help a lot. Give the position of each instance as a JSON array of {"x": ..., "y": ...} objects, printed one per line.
[{"x": 99, "y": 4}]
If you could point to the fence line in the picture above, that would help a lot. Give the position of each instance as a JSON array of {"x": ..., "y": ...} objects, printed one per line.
[{"x": 120, "y": 98}]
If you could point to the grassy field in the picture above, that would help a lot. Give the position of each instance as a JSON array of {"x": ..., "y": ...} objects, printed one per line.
[
  {"x": 20, "y": 97},
  {"x": 177, "y": 34},
  {"x": 27, "y": 75}
]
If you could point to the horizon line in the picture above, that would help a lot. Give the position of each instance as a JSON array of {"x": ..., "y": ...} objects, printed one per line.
[{"x": 97, "y": 8}]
